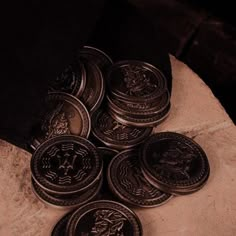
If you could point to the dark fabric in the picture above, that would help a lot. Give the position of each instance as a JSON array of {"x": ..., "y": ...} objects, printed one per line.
[{"x": 41, "y": 38}]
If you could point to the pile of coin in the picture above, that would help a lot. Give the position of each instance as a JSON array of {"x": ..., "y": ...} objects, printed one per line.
[
  {"x": 94, "y": 142},
  {"x": 137, "y": 94}
]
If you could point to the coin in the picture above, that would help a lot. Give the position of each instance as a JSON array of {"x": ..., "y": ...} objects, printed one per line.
[
  {"x": 127, "y": 182},
  {"x": 67, "y": 200},
  {"x": 140, "y": 120},
  {"x": 60, "y": 227},
  {"x": 104, "y": 218},
  {"x": 174, "y": 163},
  {"x": 96, "y": 56},
  {"x": 66, "y": 164},
  {"x": 72, "y": 80},
  {"x": 94, "y": 90},
  {"x": 107, "y": 154},
  {"x": 64, "y": 114},
  {"x": 145, "y": 108},
  {"x": 135, "y": 81},
  {"x": 116, "y": 135}
]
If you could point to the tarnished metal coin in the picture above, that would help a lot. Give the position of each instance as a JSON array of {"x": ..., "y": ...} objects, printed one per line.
[
  {"x": 67, "y": 200},
  {"x": 104, "y": 218},
  {"x": 107, "y": 154},
  {"x": 60, "y": 227},
  {"x": 174, "y": 163},
  {"x": 72, "y": 80},
  {"x": 64, "y": 114},
  {"x": 140, "y": 120},
  {"x": 135, "y": 81},
  {"x": 142, "y": 109},
  {"x": 96, "y": 56},
  {"x": 66, "y": 164},
  {"x": 94, "y": 90},
  {"x": 127, "y": 182},
  {"x": 116, "y": 135}
]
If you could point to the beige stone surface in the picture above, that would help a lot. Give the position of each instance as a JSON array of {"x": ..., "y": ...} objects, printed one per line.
[
  {"x": 194, "y": 108},
  {"x": 210, "y": 211}
]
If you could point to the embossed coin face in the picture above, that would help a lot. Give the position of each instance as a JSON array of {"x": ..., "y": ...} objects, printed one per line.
[
  {"x": 67, "y": 200},
  {"x": 126, "y": 180},
  {"x": 94, "y": 90},
  {"x": 60, "y": 228},
  {"x": 96, "y": 56},
  {"x": 72, "y": 80},
  {"x": 135, "y": 81},
  {"x": 66, "y": 164},
  {"x": 174, "y": 163},
  {"x": 116, "y": 135},
  {"x": 104, "y": 218},
  {"x": 63, "y": 115}
]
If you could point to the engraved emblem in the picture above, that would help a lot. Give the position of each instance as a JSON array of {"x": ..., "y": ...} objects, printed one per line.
[
  {"x": 137, "y": 81},
  {"x": 175, "y": 162},
  {"x": 108, "y": 223},
  {"x": 61, "y": 164},
  {"x": 56, "y": 123},
  {"x": 132, "y": 179}
]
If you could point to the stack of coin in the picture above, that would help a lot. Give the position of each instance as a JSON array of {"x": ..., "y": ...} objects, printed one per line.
[
  {"x": 66, "y": 171},
  {"x": 137, "y": 94},
  {"x": 174, "y": 163},
  {"x": 99, "y": 218}
]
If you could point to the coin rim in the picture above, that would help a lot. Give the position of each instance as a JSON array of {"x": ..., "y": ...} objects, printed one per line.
[
  {"x": 66, "y": 204},
  {"x": 101, "y": 91},
  {"x": 142, "y": 121}
]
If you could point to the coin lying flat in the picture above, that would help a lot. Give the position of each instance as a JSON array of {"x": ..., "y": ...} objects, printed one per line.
[
  {"x": 67, "y": 200},
  {"x": 104, "y": 218},
  {"x": 116, "y": 135},
  {"x": 127, "y": 182},
  {"x": 60, "y": 227},
  {"x": 135, "y": 81},
  {"x": 174, "y": 163},
  {"x": 66, "y": 164},
  {"x": 72, "y": 80},
  {"x": 64, "y": 114},
  {"x": 94, "y": 89},
  {"x": 96, "y": 56}
]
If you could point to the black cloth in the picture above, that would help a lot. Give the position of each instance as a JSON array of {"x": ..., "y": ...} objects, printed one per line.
[{"x": 41, "y": 37}]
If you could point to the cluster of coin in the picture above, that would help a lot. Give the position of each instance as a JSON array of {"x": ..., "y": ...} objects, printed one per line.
[
  {"x": 120, "y": 159},
  {"x": 137, "y": 94}
]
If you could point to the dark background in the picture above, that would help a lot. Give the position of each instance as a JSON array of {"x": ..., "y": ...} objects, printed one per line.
[{"x": 203, "y": 35}]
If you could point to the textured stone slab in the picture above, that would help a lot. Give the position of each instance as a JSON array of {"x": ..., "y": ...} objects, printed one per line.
[{"x": 194, "y": 107}]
